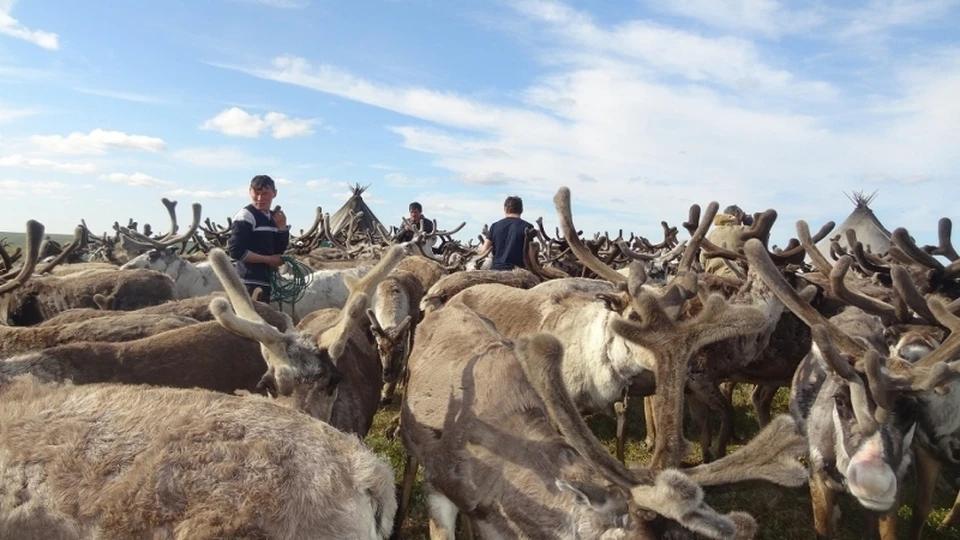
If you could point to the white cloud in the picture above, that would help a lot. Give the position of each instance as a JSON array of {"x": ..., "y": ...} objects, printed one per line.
[
  {"x": 443, "y": 107},
  {"x": 237, "y": 122},
  {"x": 16, "y": 188},
  {"x": 137, "y": 179},
  {"x": 730, "y": 62},
  {"x": 18, "y": 160},
  {"x": 8, "y": 114},
  {"x": 680, "y": 116},
  {"x": 283, "y": 181},
  {"x": 97, "y": 142},
  {"x": 767, "y": 17},
  {"x": 319, "y": 183},
  {"x": 12, "y": 27},
  {"x": 881, "y": 15},
  {"x": 219, "y": 158}
]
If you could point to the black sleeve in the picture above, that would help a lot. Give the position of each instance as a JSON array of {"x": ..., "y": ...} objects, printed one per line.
[
  {"x": 427, "y": 225},
  {"x": 238, "y": 245}
]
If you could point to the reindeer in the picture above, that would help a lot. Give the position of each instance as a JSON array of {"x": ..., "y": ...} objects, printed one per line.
[
  {"x": 221, "y": 355},
  {"x": 448, "y": 286},
  {"x": 347, "y": 337},
  {"x": 482, "y": 413},
  {"x": 115, "y": 461},
  {"x": 197, "y": 308},
  {"x": 859, "y": 415},
  {"x": 479, "y": 414}
]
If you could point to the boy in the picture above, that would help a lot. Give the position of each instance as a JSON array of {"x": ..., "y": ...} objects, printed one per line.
[{"x": 258, "y": 236}]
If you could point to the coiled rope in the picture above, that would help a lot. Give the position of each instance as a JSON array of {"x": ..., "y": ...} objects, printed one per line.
[{"x": 283, "y": 290}]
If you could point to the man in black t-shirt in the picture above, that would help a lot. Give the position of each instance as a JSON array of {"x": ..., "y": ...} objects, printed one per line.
[{"x": 506, "y": 237}]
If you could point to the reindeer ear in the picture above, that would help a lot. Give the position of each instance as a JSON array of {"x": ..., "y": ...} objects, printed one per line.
[{"x": 584, "y": 494}]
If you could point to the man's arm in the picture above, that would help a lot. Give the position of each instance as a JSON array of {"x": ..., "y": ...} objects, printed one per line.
[
  {"x": 238, "y": 246},
  {"x": 485, "y": 248}
]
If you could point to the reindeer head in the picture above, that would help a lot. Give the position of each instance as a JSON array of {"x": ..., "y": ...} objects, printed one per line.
[
  {"x": 297, "y": 367},
  {"x": 391, "y": 345},
  {"x": 860, "y": 428}
]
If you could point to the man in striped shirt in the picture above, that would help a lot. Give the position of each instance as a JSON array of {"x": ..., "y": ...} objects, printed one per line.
[{"x": 258, "y": 236}]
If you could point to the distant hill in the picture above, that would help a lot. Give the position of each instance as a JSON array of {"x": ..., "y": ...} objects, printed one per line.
[{"x": 19, "y": 239}]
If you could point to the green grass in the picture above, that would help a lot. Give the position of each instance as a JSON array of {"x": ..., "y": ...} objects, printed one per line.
[{"x": 782, "y": 513}]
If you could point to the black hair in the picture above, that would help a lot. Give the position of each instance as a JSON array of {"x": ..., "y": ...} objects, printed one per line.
[
  {"x": 261, "y": 181},
  {"x": 415, "y": 206},
  {"x": 513, "y": 205}
]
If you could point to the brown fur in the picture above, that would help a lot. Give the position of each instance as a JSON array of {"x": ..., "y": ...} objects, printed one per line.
[
  {"x": 197, "y": 308},
  {"x": 108, "y": 461},
  {"x": 43, "y": 297},
  {"x": 73, "y": 268},
  {"x": 207, "y": 355},
  {"x": 346, "y": 337},
  {"x": 426, "y": 270},
  {"x": 395, "y": 315},
  {"x": 203, "y": 355},
  {"x": 488, "y": 442},
  {"x": 131, "y": 326},
  {"x": 450, "y": 285}
]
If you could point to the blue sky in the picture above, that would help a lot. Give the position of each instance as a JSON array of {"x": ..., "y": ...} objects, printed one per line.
[{"x": 640, "y": 107}]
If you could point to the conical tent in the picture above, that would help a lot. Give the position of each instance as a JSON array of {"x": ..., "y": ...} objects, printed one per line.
[
  {"x": 870, "y": 232},
  {"x": 341, "y": 218}
]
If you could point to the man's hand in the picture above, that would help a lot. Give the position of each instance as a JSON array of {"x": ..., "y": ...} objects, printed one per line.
[
  {"x": 274, "y": 261},
  {"x": 280, "y": 219}
]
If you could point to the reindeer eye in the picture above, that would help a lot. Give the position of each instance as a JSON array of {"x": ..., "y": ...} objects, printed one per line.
[{"x": 843, "y": 404}]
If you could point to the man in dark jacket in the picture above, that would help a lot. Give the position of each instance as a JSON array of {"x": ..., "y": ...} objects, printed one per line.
[
  {"x": 258, "y": 237},
  {"x": 417, "y": 220},
  {"x": 507, "y": 237}
]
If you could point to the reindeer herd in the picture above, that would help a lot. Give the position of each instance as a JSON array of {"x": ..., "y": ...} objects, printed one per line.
[{"x": 144, "y": 394}]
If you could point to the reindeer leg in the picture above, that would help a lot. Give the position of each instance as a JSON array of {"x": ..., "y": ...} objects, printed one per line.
[
  {"x": 927, "y": 471},
  {"x": 953, "y": 518},
  {"x": 620, "y": 409},
  {"x": 726, "y": 422},
  {"x": 649, "y": 419},
  {"x": 700, "y": 412},
  {"x": 466, "y": 525},
  {"x": 443, "y": 515},
  {"x": 387, "y": 395},
  {"x": 822, "y": 498},
  {"x": 762, "y": 398},
  {"x": 888, "y": 523},
  {"x": 726, "y": 390},
  {"x": 406, "y": 490}
]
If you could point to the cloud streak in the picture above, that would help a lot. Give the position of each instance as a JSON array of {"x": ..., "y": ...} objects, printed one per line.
[
  {"x": 97, "y": 142},
  {"x": 137, "y": 179},
  {"x": 13, "y": 28},
  {"x": 20, "y": 161}
]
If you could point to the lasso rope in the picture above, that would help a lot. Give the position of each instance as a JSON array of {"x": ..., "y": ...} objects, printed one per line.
[{"x": 290, "y": 290}]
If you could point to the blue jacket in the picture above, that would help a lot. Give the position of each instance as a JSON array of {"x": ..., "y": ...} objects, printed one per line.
[{"x": 253, "y": 230}]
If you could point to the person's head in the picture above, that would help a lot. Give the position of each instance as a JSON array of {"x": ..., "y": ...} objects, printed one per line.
[
  {"x": 734, "y": 211},
  {"x": 513, "y": 205},
  {"x": 262, "y": 192},
  {"x": 416, "y": 211}
]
